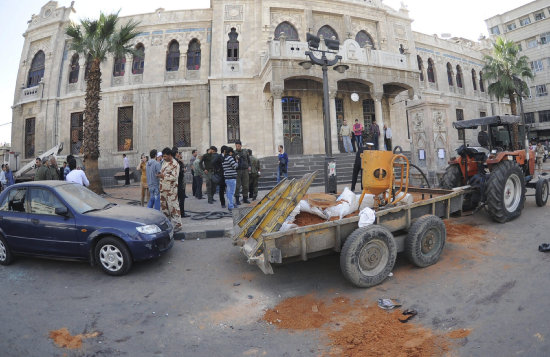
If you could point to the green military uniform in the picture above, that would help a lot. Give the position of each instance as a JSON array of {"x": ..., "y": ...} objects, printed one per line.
[
  {"x": 52, "y": 173},
  {"x": 41, "y": 173},
  {"x": 242, "y": 174},
  {"x": 254, "y": 176},
  {"x": 207, "y": 164}
]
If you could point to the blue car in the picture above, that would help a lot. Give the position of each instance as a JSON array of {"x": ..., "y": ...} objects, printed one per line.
[{"x": 64, "y": 220}]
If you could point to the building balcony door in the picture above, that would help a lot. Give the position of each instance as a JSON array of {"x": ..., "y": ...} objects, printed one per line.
[{"x": 292, "y": 125}]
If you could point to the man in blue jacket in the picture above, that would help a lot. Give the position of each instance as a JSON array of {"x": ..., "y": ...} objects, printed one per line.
[{"x": 151, "y": 170}]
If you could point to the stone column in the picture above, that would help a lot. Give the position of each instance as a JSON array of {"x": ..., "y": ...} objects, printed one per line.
[
  {"x": 128, "y": 69},
  {"x": 333, "y": 123},
  {"x": 379, "y": 116},
  {"x": 278, "y": 135},
  {"x": 183, "y": 65}
]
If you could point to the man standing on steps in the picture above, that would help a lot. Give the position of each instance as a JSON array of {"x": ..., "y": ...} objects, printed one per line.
[
  {"x": 375, "y": 134},
  {"x": 358, "y": 132},
  {"x": 126, "y": 169},
  {"x": 243, "y": 160},
  {"x": 387, "y": 138},
  {"x": 345, "y": 134},
  {"x": 254, "y": 175}
]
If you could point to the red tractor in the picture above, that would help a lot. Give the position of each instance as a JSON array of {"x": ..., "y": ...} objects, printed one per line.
[{"x": 498, "y": 173}]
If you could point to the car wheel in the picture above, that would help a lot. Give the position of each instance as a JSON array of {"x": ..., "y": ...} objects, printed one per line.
[
  {"x": 5, "y": 255},
  {"x": 113, "y": 256}
]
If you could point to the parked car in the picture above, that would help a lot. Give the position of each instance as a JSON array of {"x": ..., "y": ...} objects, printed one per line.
[{"x": 59, "y": 219}]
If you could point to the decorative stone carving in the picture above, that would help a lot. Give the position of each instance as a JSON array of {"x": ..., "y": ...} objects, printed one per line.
[
  {"x": 42, "y": 44},
  {"x": 127, "y": 98},
  {"x": 234, "y": 12},
  {"x": 294, "y": 18},
  {"x": 418, "y": 122},
  {"x": 438, "y": 122},
  {"x": 277, "y": 92},
  {"x": 156, "y": 40}
]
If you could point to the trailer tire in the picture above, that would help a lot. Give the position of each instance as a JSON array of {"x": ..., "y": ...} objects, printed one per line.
[
  {"x": 425, "y": 241},
  {"x": 505, "y": 192},
  {"x": 368, "y": 256},
  {"x": 541, "y": 192},
  {"x": 452, "y": 177}
]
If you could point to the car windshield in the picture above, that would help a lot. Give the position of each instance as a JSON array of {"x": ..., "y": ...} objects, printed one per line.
[{"x": 81, "y": 199}]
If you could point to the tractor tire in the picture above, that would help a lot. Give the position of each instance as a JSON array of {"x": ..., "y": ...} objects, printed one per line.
[
  {"x": 368, "y": 256},
  {"x": 425, "y": 241},
  {"x": 451, "y": 178},
  {"x": 505, "y": 192},
  {"x": 541, "y": 192}
]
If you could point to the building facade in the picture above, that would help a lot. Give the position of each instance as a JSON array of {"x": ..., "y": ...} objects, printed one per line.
[
  {"x": 212, "y": 76},
  {"x": 529, "y": 27}
]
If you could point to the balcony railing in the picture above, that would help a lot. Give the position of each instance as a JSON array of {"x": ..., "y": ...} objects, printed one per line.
[
  {"x": 31, "y": 94},
  {"x": 349, "y": 50}
]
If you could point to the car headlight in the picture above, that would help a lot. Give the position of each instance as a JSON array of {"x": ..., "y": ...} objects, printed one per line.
[{"x": 149, "y": 229}]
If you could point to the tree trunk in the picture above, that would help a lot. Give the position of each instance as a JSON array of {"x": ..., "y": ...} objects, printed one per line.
[
  {"x": 91, "y": 127},
  {"x": 515, "y": 129}
]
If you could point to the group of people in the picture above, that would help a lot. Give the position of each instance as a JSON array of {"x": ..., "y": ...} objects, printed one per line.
[
  {"x": 47, "y": 169},
  {"x": 352, "y": 136},
  {"x": 231, "y": 173},
  {"x": 6, "y": 177}
]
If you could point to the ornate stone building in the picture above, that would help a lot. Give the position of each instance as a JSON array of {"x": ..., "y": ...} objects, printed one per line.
[{"x": 211, "y": 76}]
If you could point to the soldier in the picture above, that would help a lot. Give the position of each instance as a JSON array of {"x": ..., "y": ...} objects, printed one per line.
[
  {"x": 168, "y": 177},
  {"x": 53, "y": 171},
  {"x": 207, "y": 165},
  {"x": 41, "y": 170},
  {"x": 254, "y": 175},
  {"x": 199, "y": 174},
  {"x": 243, "y": 160}
]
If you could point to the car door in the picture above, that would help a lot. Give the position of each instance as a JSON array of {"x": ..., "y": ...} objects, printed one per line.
[
  {"x": 51, "y": 233},
  {"x": 14, "y": 218}
]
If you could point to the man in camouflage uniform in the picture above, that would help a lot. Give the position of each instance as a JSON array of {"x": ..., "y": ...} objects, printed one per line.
[
  {"x": 243, "y": 160},
  {"x": 254, "y": 175},
  {"x": 168, "y": 177}
]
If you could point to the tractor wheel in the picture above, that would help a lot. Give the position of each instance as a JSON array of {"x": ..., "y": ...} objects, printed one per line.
[
  {"x": 505, "y": 192},
  {"x": 452, "y": 177},
  {"x": 425, "y": 241},
  {"x": 541, "y": 192},
  {"x": 368, "y": 256}
]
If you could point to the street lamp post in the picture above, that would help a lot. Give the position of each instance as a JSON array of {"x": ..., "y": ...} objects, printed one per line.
[{"x": 324, "y": 62}]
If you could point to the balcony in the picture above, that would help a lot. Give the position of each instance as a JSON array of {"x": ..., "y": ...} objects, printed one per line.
[
  {"x": 349, "y": 50},
  {"x": 31, "y": 94}
]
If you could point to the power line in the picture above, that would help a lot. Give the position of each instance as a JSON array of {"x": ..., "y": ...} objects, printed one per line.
[{"x": 5, "y": 123}]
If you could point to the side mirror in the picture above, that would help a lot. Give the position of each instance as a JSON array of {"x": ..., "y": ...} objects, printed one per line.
[{"x": 61, "y": 211}]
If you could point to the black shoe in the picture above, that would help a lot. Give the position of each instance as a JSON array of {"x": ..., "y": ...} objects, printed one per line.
[
  {"x": 237, "y": 202},
  {"x": 223, "y": 206},
  {"x": 185, "y": 215},
  {"x": 245, "y": 200},
  {"x": 211, "y": 202},
  {"x": 254, "y": 198}
]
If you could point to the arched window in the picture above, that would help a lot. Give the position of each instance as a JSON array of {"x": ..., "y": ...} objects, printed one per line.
[
  {"x": 474, "y": 79},
  {"x": 233, "y": 45},
  {"x": 481, "y": 85},
  {"x": 118, "y": 68},
  {"x": 327, "y": 32},
  {"x": 75, "y": 69},
  {"x": 420, "y": 67},
  {"x": 37, "y": 69},
  {"x": 290, "y": 31},
  {"x": 431, "y": 74},
  {"x": 139, "y": 59},
  {"x": 194, "y": 55},
  {"x": 458, "y": 76},
  {"x": 173, "y": 56},
  {"x": 88, "y": 67},
  {"x": 364, "y": 39},
  {"x": 449, "y": 74}
]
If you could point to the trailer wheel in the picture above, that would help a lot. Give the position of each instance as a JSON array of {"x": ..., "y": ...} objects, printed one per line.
[
  {"x": 425, "y": 241},
  {"x": 368, "y": 256},
  {"x": 505, "y": 192},
  {"x": 452, "y": 177},
  {"x": 541, "y": 192}
]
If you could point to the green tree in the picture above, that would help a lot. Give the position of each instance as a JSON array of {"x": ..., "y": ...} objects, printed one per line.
[
  {"x": 501, "y": 68},
  {"x": 96, "y": 40}
]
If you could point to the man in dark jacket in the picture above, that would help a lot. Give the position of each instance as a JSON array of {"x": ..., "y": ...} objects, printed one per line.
[
  {"x": 181, "y": 181},
  {"x": 254, "y": 175},
  {"x": 357, "y": 166},
  {"x": 243, "y": 161},
  {"x": 207, "y": 164},
  {"x": 218, "y": 170}
]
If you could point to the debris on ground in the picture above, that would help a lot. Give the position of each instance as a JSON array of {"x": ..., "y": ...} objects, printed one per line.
[
  {"x": 62, "y": 338},
  {"x": 544, "y": 247},
  {"x": 388, "y": 304},
  {"x": 355, "y": 329},
  {"x": 410, "y": 314}
]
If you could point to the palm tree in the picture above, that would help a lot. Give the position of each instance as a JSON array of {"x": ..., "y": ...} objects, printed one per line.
[
  {"x": 95, "y": 40},
  {"x": 501, "y": 68}
]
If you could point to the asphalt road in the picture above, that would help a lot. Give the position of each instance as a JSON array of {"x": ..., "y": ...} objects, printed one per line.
[{"x": 188, "y": 302}]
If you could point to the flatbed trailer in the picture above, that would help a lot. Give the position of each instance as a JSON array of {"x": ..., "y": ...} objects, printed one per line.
[{"x": 368, "y": 254}]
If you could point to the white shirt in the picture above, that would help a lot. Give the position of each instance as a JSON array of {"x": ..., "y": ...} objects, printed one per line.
[
  {"x": 78, "y": 176},
  {"x": 3, "y": 177},
  {"x": 388, "y": 133},
  {"x": 126, "y": 165}
]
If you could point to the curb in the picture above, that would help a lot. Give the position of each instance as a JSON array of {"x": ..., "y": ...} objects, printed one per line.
[{"x": 214, "y": 233}]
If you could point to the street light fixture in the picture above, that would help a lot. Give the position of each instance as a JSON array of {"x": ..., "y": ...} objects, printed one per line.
[{"x": 333, "y": 46}]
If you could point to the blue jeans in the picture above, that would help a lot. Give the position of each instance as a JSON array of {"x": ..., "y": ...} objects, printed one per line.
[
  {"x": 347, "y": 143},
  {"x": 154, "y": 200},
  {"x": 359, "y": 141},
  {"x": 279, "y": 174},
  {"x": 230, "y": 185}
]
